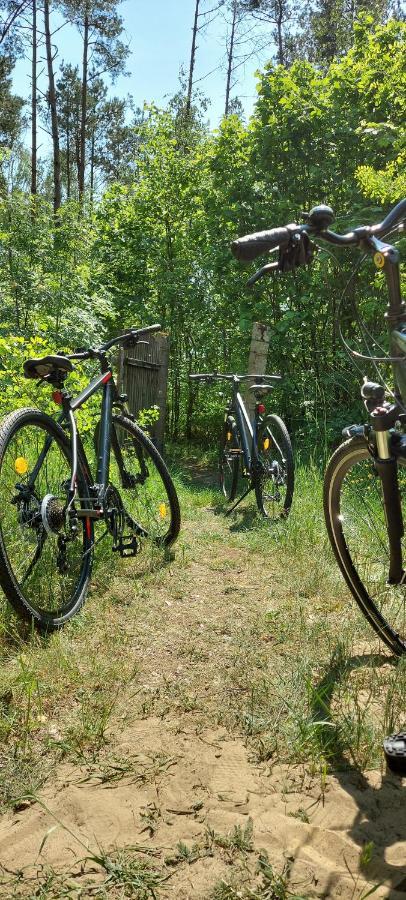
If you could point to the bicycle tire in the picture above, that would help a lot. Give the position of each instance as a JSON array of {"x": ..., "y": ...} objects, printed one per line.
[
  {"x": 279, "y": 470},
  {"x": 366, "y": 577},
  {"x": 229, "y": 459},
  {"x": 16, "y": 428},
  {"x": 162, "y": 489}
]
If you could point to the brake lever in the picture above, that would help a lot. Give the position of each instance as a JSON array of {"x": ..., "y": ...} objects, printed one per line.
[{"x": 266, "y": 270}]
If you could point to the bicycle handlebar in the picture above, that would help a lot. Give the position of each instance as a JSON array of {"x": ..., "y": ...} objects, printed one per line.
[
  {"x": 250, "y": 246},
  {"x": 213, "y": 376},
  {"x": 133, "y": 334}
]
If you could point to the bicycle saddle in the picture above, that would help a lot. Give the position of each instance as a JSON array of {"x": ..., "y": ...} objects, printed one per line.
[
  {"x": 40, "y": 368},
  {"x": 261, "y": 388}
]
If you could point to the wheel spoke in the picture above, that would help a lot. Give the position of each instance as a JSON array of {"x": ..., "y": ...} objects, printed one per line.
[
  {"x": 46, "y": 562},
  {"x": 357, "y": 527}
]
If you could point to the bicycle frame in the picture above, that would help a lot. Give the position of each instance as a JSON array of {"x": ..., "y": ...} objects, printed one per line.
[
  {"x": 247, "y": 432},
  {"x": 70, "y": 404}
]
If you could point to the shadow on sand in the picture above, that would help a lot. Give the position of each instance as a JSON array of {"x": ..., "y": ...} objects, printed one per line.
[{"x": 381, "y": 801}]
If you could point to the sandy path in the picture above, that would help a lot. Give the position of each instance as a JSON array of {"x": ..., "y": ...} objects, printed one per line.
[{"x": 177, "y": 775}]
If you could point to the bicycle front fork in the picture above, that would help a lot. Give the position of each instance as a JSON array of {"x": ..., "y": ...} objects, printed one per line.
[
  {"x": 388, "y": 447},
  {"x": 386, "y": 465},
  {"x": 383, "y": 417}
]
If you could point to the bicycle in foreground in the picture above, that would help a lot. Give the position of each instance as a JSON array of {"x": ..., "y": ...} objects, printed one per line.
[
  {"x": 365, "y": 480},
  {"x": 50, "y": 502},
  {"x": 260, "y": 452}
]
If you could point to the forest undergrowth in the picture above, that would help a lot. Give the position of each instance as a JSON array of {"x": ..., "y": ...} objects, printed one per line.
[{"x": 247, "y": 644}]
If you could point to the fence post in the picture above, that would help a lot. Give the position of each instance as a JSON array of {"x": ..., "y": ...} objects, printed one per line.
[
  {"x": 162, "y": 346},
  {"x": 257, "y": 359}
]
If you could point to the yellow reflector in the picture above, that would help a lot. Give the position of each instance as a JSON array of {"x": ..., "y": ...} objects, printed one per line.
[
  {"x": 162, "y": 510},
  {"x": 266, "y": 443},
  {"x": 229, "y": 435},
  {"x": 21, "y": 465}
]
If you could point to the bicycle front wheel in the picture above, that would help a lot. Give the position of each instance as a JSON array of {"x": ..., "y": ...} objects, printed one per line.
[
  {"x": 45, "y": 552},
  {"x": 229, "y": 459},
  {"x": 274, "y": 483},
  {"x": 148, "y": 496},
  {"x": 355, "y": 519}
]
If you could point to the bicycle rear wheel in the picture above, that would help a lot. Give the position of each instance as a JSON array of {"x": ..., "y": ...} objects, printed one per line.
[
  {"x": 274, "y": 485},
  {"x": 355, "y": 519},
  {"x": 150, "y": 504},
  {"x": 229, "y": 459},
  {"x": 45, "y": 553}
]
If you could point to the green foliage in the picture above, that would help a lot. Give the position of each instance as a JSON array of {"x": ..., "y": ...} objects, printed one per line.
[
  {"x": 164, "y": 240},
  {"x": 156, "y": 248}
]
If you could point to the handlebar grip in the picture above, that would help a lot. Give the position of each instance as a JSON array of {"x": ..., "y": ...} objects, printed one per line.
[
  {"x": 395, "y": 217},
  {"x": 252, "y": 245}
]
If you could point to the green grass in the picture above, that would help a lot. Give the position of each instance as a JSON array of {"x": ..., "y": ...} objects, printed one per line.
[{"x": 290, "y": 663}]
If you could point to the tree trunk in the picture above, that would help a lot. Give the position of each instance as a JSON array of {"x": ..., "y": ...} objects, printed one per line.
[
  {"x": 68, "y": 113},
  {"x": 192, "y": 59},
  {"x": 54, "y": 114},
  {"x": 279, "y": 22},
  {"x": 34, "y": 101},
  {"x": 83, "y": 118},
  {"x": 92, "y": 149},
  {"x": 230, "y": 55}
]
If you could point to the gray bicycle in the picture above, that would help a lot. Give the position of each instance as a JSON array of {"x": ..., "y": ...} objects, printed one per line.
[
  {"x": 365, "y": 480},
  {"x": 257, "y": 454},
  {"x": 52, "y": 497}
]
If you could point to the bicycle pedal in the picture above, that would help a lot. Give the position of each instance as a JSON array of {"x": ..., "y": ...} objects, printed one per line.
[{"x": 127, "y": 547}]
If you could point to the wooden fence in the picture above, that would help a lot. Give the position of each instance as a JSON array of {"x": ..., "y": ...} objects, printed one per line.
[{"x": 143, "y": 376}]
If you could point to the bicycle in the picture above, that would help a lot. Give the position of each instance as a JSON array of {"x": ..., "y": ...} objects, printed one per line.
[
  {"x": 365, "y": 479},
  {"x": 261, "y": 452},
  {"x": 48, "y": 516}
]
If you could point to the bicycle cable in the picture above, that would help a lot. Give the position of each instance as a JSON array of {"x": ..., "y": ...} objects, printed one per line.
[{"x": 366, "y": 334}]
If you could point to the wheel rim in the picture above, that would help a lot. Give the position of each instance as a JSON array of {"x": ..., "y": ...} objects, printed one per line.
[
  {"x": 357, "y": 516},
  {"x": 145, "y": 498},
  {"x": 46, "y": 555},
  {"x": 273, "y": 478}
]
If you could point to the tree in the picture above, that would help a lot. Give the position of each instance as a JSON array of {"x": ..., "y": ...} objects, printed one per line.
[
  {"x": 34, "y": 100},
  {"x": 17, "y": 32},
  {"x": 52, "y": 103},
  {"x": 101, "y": 28},
  {"x": 278, "y": 13},
  {"x": 11, "y": 106},
  {"x": 114, "y": 139},
  {"x": 332, "y": 26},
  {"x": 201, "y": 20}
]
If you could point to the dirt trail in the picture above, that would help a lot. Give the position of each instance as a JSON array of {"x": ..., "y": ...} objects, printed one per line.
[{"x": 180, "y": 785}]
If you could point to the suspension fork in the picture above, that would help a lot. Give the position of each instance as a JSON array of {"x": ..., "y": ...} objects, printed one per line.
[{"x": 386, "y": 465}]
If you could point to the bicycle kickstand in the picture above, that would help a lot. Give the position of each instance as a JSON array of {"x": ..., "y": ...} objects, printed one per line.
[{"x": 243, "y": 496}]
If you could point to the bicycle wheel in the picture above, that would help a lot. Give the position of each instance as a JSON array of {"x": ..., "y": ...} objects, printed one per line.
[
  {"x": 355, "y": 519},
  {"x": 45, "y": 555},
  {"x": 229, "y": 460},
  {"x": 149, "y": 501},
  {"x": 274, "y": 484}
]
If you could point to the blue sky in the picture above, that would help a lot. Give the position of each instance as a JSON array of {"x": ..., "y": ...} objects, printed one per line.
[{"x": 160, "y": 38}]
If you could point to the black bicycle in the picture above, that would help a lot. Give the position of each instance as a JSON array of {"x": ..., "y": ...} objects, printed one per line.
[
  {"x": 259, "y": 452},
  {"x": 50, "y": 502},
  {"x": 365, "y": 480}
]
